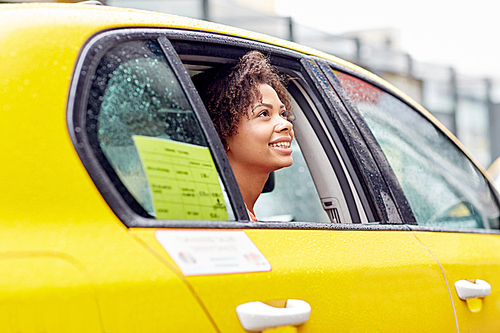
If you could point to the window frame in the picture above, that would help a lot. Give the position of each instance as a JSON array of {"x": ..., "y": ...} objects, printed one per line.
[
  {"x": 87, "y": 64},
  {"x": 88, "y": 61},
  {"x": 361, "y": 156},
  {"x": 382, "y": 161}
]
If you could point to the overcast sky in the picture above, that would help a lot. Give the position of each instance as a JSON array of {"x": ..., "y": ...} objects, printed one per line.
[{"x": 463, "y": 34}]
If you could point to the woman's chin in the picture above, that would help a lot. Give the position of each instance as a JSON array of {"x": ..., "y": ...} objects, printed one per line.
[{"x": 284, "y": 164}]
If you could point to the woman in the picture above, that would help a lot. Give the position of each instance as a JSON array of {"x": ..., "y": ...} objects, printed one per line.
[{"x": 250, "y": 108}]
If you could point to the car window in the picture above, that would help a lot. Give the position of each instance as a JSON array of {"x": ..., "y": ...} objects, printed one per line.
[
  {"x": 149, "y": 140},
  {"x": 442, "y": 185}
]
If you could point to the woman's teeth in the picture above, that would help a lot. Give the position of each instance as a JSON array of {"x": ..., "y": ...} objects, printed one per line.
[{"x": 280, "y": 144}]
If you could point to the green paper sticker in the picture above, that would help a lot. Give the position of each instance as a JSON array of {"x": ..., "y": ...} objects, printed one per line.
[{"x": 182, "y": 179}]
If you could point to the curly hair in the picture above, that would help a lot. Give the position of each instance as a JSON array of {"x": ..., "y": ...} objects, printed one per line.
[{"x": 229, "y": 91}]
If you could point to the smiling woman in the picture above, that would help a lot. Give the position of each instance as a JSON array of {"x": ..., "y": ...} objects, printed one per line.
[{"x": 250, "y": 108}]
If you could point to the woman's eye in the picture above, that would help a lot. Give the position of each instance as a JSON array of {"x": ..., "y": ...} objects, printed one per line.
[
  {"x": 288, "y": 116},
  {"x": 264, "y": 113}
]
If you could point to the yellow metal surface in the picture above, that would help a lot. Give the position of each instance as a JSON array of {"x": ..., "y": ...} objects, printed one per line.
[
  {"x": 65, "y": 257},
  {"x": 470, "y": 256},
  {"x": 68, "y": 264},
  {"x": 285, "y": 329},
  {"x": 475, "y": 304},
  {"x": 88, "y": 275},
  {"x": 355, "y": 281},
  {"x": 494, "y": 168},
  {"x": 46, "y": 292}
]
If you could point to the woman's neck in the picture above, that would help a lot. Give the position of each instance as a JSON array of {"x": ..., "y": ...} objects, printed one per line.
[{"x": 250, "y": 183}]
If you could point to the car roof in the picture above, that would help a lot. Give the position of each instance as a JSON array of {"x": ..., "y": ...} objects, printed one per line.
[
  {"x": 92, "y": 19},
  {"x": 86, "y": 20}
]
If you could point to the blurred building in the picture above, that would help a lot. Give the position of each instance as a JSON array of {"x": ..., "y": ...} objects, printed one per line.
[{"x": 468, "y": 106}]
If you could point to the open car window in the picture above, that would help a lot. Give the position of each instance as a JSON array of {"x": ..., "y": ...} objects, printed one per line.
[{"x": 309, "y": 190}]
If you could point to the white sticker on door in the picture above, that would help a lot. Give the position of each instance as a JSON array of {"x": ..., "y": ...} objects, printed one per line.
[{"x": 212, "y": 252}]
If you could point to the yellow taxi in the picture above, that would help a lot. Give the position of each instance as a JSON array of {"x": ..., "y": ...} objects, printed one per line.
[{"x": 119, "y": 211}]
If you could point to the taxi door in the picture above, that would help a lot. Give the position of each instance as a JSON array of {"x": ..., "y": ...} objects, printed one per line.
[
  {"x": 454, "y": 205},
  {"x": 471, "y": 262},
  {"x": 353, "y": 280}
]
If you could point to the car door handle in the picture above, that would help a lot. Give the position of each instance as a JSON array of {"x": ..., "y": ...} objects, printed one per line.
[
  {"x": 467, "y": 289},
  {"x": 257, "y": 316}
]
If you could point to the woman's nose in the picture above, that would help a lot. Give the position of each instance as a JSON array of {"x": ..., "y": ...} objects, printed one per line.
[{"x": 283, "y": 125}]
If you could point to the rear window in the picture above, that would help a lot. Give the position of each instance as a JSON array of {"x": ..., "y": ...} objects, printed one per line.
[{"x": 147, "y": 136}]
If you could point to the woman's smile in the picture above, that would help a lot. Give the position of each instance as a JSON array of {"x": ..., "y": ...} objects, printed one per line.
[{"x": 283, "y": 145}]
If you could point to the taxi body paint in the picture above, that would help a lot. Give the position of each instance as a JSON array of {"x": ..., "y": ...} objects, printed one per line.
[
  {"x": 462, "y": 259},
  {"x": 56, "y": 225},
  {"x": 334, "y": 273}
]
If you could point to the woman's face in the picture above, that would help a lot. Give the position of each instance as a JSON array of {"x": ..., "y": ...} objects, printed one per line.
[{"x": 263, "y": 139}]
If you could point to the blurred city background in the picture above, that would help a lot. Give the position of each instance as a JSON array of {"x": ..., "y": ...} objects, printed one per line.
[{"x": 467, "y": 104}]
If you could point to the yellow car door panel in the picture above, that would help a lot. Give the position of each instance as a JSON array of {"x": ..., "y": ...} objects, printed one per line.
[
  {"x": 469, "y": 256},
  {"x": 351, "y": 279},
  {"x": 452, "y": 201}
]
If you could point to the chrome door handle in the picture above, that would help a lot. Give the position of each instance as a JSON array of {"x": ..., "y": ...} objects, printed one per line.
[
  {"x": 467, "y": 289},
  {"x": 257, "y": 316}
]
